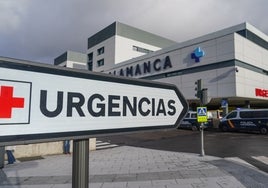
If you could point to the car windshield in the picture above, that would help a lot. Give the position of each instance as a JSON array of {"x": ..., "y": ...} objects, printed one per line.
[{"x": 231, "y": 115}]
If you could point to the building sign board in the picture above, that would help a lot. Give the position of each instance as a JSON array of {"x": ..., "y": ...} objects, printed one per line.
[
  {"x": 261, "y": 92},
  {"x": 43, "y": 101},
  {"x": 224, "y": 103}
]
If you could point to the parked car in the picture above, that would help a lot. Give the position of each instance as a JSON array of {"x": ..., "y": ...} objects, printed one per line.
[{"x": 190, "y": 122}]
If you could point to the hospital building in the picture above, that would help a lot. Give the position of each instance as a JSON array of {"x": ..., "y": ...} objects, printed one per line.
[{"x": 231, "y": 63}]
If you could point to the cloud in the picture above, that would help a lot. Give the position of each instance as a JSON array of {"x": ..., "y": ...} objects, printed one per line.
[
  {"x": 11, "y": 15},
  {"x": 41, "y": 30},
  {"x": 182, "y": 20}
]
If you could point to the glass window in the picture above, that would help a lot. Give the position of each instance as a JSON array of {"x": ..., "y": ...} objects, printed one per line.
[
  {"x": 89, "y": 66},
  {"x": 90, "y": 56},
  {"x": 194, "y": 115},
  {"x": 139, "y": 49},
  {"x": 90, "y": 61},
  {"x": 254, "y": 38},
  {"x": 100, "y": 62},
  {"x": 232, "y": 115},
  {"x": 246, "y": 115},
  {"x": 261, "y": 114},
  {"x": 265, "y": 114},
  {"x": 135, "y": 48},
  {"x": 254, "y": 114},
  {"x": 100, "y": 51}
]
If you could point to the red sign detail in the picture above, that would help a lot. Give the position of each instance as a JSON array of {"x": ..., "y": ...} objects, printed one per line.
[
  {"x": 7, "y": 101},
  {"x": 261, "y": 92}
]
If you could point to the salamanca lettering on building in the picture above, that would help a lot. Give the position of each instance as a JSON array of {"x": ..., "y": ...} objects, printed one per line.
[{"x": 144, "y": 68}]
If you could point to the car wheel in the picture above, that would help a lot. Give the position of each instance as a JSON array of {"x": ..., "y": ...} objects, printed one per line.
[
  {"x": 224, "y": 128},
  {"x": 263, "y": 130}
]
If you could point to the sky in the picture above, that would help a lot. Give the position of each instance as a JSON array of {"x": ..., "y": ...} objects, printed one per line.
[{"x": 41, "y": 30}]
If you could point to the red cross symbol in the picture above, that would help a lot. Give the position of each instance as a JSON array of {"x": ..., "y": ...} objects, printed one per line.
[{"x": 7, "y": 101}]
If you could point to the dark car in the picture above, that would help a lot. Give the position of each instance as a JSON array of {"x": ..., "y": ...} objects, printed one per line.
[
  {"x": 246, "y": 120},
  {"x": 190, "y": 122}
]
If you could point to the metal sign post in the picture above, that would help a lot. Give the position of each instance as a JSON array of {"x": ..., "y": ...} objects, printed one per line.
[
  {"x": 202, "y": 151},
  {"x": 201, "y": 118},
  {"x": 80, "y": 171},
  {"x": 224, "y": 105}
]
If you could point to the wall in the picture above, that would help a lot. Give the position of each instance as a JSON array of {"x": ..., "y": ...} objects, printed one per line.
[
  {"x": 251, "y": 53},
  {"x": 50, "y": 148},
  {"x": 76, "y": 65},
  {"x": 216, "y": 50},
  {"x": 124, "y": 49},
  {"x": 108, "y": 55},
  {"x": 220, "y": 82},
  {"x": 248, "y": 80}
]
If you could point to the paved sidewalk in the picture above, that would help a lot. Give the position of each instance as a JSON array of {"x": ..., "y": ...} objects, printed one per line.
[{"x": 132, "y": 167}]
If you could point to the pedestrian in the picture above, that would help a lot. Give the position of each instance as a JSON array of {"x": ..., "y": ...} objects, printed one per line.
[
  {"x": 66, "y": 147},
  {"x": 10, "y": 157}
]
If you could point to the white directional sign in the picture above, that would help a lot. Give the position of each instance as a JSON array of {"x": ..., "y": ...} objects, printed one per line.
[{"x": 43, "y": 101}]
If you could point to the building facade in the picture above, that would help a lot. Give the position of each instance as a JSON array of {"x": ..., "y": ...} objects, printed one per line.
[
  {"x": 119, "y": 42},
  {"x": 232, "y": 64},
  {"x": 72, "y": 59}
]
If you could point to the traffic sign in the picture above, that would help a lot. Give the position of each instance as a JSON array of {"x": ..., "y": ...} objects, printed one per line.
[
  {"x": 39, "y": 101},
  {"x": 224, "y": 103},
  {"x": 202, "y": 114}
]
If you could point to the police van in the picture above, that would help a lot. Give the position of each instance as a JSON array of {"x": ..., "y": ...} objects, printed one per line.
[{"x": 246, "y": 120}]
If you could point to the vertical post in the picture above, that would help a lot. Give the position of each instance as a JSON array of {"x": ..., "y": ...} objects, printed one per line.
[
  {"x": 2, "y": 156},
  {"x": 224, "y": 105},
  {"x": 247, "y": 103},
  {"x": 202, "y": 152},
  {"x": 80, "y": 173}
]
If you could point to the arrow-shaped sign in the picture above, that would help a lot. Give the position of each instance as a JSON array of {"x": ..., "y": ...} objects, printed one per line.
[{"x": 62, "y": 102}]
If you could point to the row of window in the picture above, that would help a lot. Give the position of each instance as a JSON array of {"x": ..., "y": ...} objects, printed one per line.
[
  {"x": 253, "y": 38},
  {"x": 139, "y": 49},
  {"x": 99, "y": 64},
  {"x": 100, "y": 51}
]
